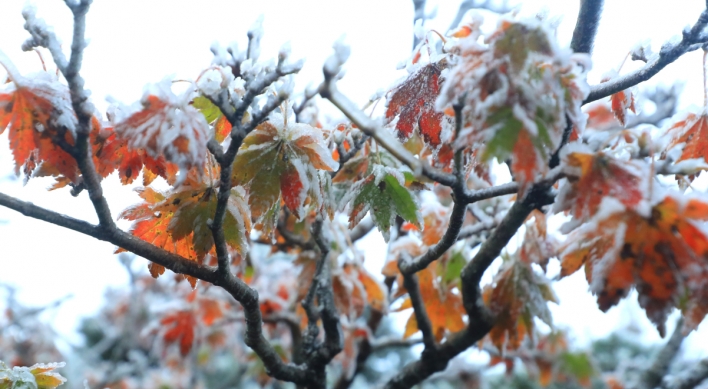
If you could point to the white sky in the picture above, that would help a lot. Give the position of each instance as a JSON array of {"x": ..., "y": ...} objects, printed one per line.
[{"x": 134, "y": 42}]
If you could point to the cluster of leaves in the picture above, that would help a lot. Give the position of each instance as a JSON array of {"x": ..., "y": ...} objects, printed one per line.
[
  {"x": 38, "y": 376},
  {"x": 250, "y": 196}
]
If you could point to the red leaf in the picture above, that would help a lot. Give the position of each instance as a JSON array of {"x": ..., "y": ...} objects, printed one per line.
[
  {"x": 180, "y": 329},
  {"x": 414, "y": 103}
]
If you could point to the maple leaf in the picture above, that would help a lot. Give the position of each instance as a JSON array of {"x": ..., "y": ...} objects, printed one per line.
[
  {"x": 383, "y": 193},
  {"x": 39, "y": 376},
  {"x": 180, "y": 329},
  {"x": 280, "y": 159},
  {"x": 661, "y": 253},
  {"x": 621, "y": 101},
  {"x": 435, "y": 222},
  {"x": 414, "y": 103},
  {"x": 167, "y": 126},
  {"x": 37, "y": 109},
  {"x": 444, "y": 307},
  {"x": 354, "y": 288},
  {"x": 538, "y": 247},
  {"x": 518, "y": 95},
  {"x": 517, "y": 295},
  {"x": 691, "y": 131},
  {"x": 594, "y": 176},
  {"x": 111, "y": 153},
  {"x": 177, "y": 221}
]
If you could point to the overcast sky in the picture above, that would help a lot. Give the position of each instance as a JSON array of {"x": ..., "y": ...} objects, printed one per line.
[{"x": 134, "y": 42}]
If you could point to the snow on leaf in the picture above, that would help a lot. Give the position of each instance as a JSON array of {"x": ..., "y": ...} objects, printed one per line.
[
  {"x": 38, "y": 376},
  {"x": 37, "y": 109},
  {"x": 621, "y": 101},
  {"x": 594, "y": 176},
  {"x": 517, "y": 295},
  {"x": 662, "y": 254},
  {"x": 444, "y": 307},
  {"x": 167, "y": 126},
  {"x": 383, "y": 194},
  {"x": 45, "y": 376},
  {"x": 279, "y": 160},
  {"x": 691, "y": 132},
  {"x": 414, "y": 103},
  {"x": 518, "y": 93},
  {"x": 180, "y": 330}
]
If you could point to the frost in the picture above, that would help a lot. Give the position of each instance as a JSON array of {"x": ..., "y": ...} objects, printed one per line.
[
  {"x": 255, "y": 33},
  {"x": 213, "y": 80},
  {"x": 334, "y": 63},
  {"x": 167, "y": 125}
]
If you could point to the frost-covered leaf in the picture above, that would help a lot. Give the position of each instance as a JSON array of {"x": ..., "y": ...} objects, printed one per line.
[
  {"x": 38, "y": 376},
  {"x": 414, "y": 103},
  {"x": 661, "y": 253},
  {"x": 620, "y": 102},
  {"x": 167, "y": 126},
  {"x": 517, "y": 296},
  {"x": 279, "y": 160},
  {"x": 691, "y": 132},
  {"x": 518, "y": 92},
  {"x": 37, "y": 109},
  {"x": 595, "y": 176},
  {"x": 382, "y": 193}
]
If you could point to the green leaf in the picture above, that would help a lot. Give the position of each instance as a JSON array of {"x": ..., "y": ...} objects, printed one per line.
[
  {"x": 385, "y": 200},
  {"x": 578, "y": 365},
  {"x": 210, "y": 111},
  {"x": 504, "y": 139},
  {"x": 518, "y": 41},
  {"x": 454, "y": 267}
]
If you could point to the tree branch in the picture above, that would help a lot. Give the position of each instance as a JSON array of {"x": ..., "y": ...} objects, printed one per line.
[
  {"x": 586, "y": 26},
  {"x": 693, "y": 39},
  {"x": 410, "y": 282},
  {"x": 244, "y": 294},
  {"x": 369, "y": 127},
  {"x": 457, "y": 218},
  {"x": 689, "y": 379},
  {"x": 652, "y": 376}
]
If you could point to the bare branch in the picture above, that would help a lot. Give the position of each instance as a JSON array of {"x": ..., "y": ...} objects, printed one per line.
[
  {"x": 693, "y": 39},
  {"x": 449, "y": 238},
  {"x": 418, "y": 14},
  {"x": 410, "y": 282}
]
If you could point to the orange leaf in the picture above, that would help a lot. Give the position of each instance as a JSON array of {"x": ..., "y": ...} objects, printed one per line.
[
  {"x": 167, "y": 127},
  {"x": 594, "y": 176},
  {"x": 660, "y": 253}
]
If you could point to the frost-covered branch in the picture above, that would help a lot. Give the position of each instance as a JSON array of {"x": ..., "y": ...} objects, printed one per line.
[
  {"x": 692, "y": 39},
  {"x": 500, "y": 7},
  {"x": 328, "y": 90},
  {"x": 688, "y": 379},
  {"x": 244, "y": 294},
  {"x": 586, "y": 26},
  {"x": 652, "y": 376}
]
